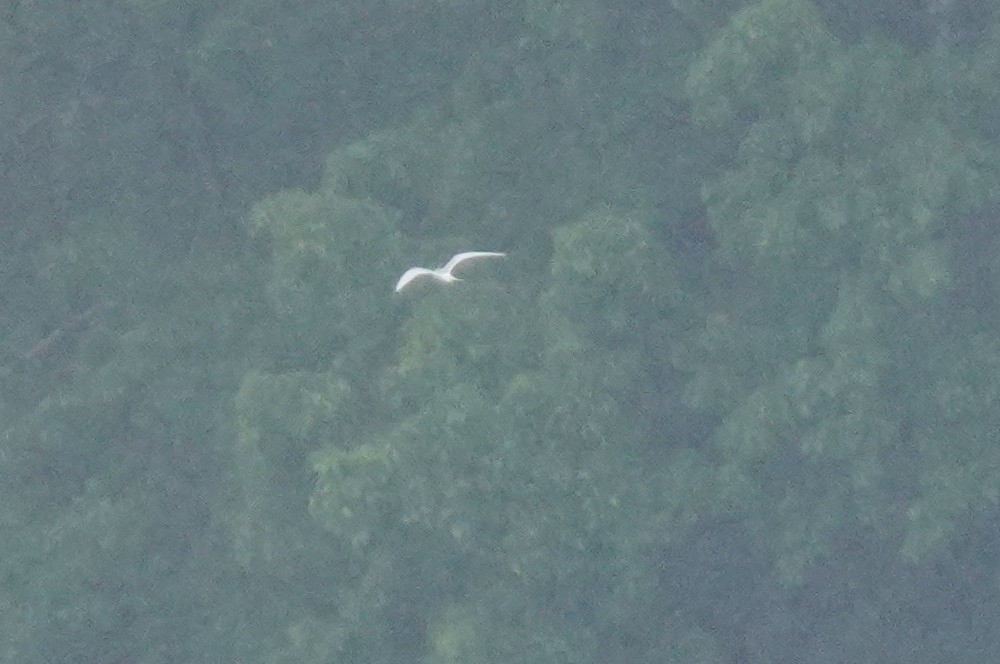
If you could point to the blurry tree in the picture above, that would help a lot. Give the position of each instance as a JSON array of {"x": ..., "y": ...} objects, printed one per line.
[
  {"x": 519, "y": 477},
  {"x": 100, "y": 118},
  {"x": 847, "y": 177},
  {"x": 281, "y": 83},
  {"x": 497, "y": 458},
  {"x": 112, "y": 458},
  {"x": 596, "y": 449}
]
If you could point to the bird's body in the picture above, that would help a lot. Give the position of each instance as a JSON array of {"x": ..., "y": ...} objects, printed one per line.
[{"x": 444, "y": 274}]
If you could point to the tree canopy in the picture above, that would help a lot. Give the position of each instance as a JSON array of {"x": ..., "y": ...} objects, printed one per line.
[{"x": 729, "y": 397}]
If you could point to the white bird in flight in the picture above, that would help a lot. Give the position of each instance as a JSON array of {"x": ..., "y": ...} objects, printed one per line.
[{"x": 443, "y": 274}]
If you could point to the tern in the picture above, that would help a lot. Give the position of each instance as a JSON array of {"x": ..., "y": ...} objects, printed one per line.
[{"x": 443, "y": 274}]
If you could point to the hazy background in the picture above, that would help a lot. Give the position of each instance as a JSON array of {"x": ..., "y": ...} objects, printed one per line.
[{"x": 733, "y": 397}]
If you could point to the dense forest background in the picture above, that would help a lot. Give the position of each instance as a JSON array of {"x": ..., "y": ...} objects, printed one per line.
[{"x": 733, "y": 397}]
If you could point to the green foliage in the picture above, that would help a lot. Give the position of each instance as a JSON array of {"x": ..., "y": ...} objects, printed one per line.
[
  {"x": 811, "y": 443},
  {"x": 80, "y": 570},
  {"x": 767, "y": 55},
  {"x": 878, "y": 176},
  {"x": 284, "y": 84},
  {"x": 332, "y": 258},
  {"x": 562, "y": 22},
  {"x": 960, "y": 472},
  {"x": 456, "y": 638},
  {"x": 611, "y": 279},
  {"x": 506, "y": 449},
  {"x": 110, "y": 467},
  {"x": 97, "y": 258},
  {"x": 513, "y": 449},
  {"x": 839, "y": 199},
  {"x": 740, "y": 330},
  {"x": 476, "y": 338}
]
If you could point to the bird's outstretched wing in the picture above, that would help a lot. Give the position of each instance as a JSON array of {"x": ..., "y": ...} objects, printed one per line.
[
  {"x": 410, "y": 275},
  {"x": 466, "y": 255}
]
